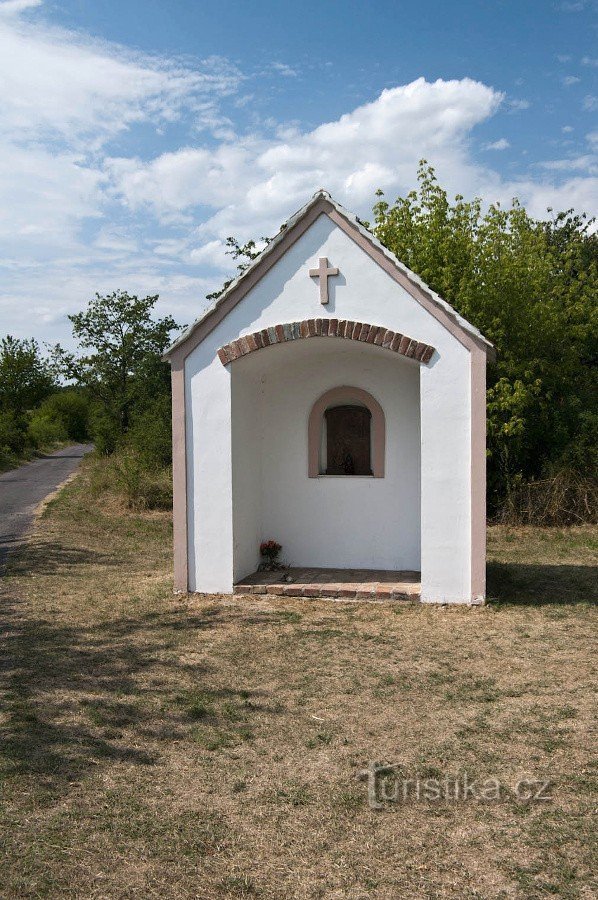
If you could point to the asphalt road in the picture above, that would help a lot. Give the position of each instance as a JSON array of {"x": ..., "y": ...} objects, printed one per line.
[{"x": 22, "y": 489}]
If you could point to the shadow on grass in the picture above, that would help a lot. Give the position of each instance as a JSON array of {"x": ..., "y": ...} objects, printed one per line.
[
  {"x": 47, "y": 558},
  {"x": 74, "y": 696},
  {"x": 539, "y": 585}
]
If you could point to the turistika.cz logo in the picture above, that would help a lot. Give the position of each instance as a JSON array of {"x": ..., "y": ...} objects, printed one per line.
[{"x": 388, "y": 784}]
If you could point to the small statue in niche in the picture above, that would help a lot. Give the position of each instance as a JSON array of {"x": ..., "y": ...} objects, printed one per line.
[{"x": 348, "y": 439}]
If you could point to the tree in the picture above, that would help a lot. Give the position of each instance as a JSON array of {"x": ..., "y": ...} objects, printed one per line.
[
  {"x": 119, "y": 362},
  {"x": 248, "y": 251},
  {"x": 25, "y": 376},
  {"x": 530, "y": 287}
]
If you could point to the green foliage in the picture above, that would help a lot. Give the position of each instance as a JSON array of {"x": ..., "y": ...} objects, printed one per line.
[
  {"x": 150, "y": 434},
  {"x": 25, "y": 377},
  {"x": 119, "y": 361},
  {"x": 248, "y": 252},
  {"x": 103, "y": 430},
  {"x": 68, "y": 411},
  {"x": 44, "y": 431},
  {"x": 13, "y": 438},
  {"x": 530, "y": 287},
  {"x": 119, "y": 366}
]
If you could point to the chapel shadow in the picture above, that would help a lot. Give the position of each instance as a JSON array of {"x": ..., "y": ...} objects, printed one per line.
[{"x": 525, "y": 584}]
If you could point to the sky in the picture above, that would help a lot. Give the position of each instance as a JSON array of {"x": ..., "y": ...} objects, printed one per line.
[{"x": 136, "y": 136}]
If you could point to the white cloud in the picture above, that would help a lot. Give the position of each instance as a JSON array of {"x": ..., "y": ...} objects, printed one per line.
[
  {"x": 579, "y": 193},
  {"x": 519, "y": 105},
  {"x": 44, "y": 195},
  {"x": 589, "y": 61},
  {"x": 567, "y": 129},
  {"x": 184, "y": 178},
  {"x": 252, "y": 187},
  {"x": 14, "y": 7},
  {"x": 284, "y": 70},
  {"x": 587, "y": 163},
  {"x": 254, "y": 184},
  {"x": 63, "y": 97},
  {"x": 56, "y": 83},
  {"x": 78, "y": 215},
  {"x": 590, "y": 103},
  {"x": 39, "y": 303},
  {"x": 570, "y": 80},
  {"x": 213, "y": 254},
  {"x": 501, "y": 144}
]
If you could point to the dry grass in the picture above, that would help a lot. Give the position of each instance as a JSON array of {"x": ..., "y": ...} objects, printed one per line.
[{"x": 155, "y": 747}]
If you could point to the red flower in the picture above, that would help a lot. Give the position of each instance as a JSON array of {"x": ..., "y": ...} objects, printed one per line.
[{"x": 270, "y": 549}]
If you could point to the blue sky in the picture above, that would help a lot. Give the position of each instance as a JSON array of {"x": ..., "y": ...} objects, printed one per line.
[{"x": 135, "y": 136}]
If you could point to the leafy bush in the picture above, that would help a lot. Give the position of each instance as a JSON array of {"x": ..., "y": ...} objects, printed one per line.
[
  {"x": 69, "y": 410},
  {"x": 25, "y": 376},
  {"x": 103, "y": 430},
  {"x": 119, "y": 360},
  {"x": 13, "y": 438},
  {"x": 530, "y": 287},
  {"x": 150, "y": 435},
  {"x": 13, "y": 432},
  {"x": 45, "y": 430}
]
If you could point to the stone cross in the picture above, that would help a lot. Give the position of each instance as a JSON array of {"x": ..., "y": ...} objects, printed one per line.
[{"x": 323, "y": 272}]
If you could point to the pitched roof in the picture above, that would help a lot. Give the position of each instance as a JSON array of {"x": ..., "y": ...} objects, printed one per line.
[{"x": 323, "y": 203}]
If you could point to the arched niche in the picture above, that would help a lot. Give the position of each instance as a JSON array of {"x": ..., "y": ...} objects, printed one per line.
[{"x": 340, "y": 396}]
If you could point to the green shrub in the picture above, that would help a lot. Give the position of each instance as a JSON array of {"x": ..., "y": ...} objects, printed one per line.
[
  {"x": 150, "y": 435},
  {"x": 69, "y": 409},
  {"x": 13, "y": 433},
  {"x": 13, "y": 439},
  {"x": 43, "y": 430},
  {"x": 103, "y": 430}
]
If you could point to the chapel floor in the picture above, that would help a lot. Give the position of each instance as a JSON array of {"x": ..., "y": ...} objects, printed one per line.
[{"x": 346, "y": 584}]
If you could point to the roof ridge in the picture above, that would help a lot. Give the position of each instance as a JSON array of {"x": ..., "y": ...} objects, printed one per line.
[{"x": 352, "y": 219}]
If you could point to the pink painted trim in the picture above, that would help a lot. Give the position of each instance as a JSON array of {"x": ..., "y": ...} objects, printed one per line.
[
  {"x": 333, "y": 328},
  {"x": 478, "y": 474},
  {"x": 336, "y": 397},
  {"x": 179, "y": 477},
  {"x": 293, "y": 232},
  {"x": 249, "y": 281},
  {"x": 177, "y": 361},
  {"x": 415, "y": 290},
  {"x": 351, "y": 331}
]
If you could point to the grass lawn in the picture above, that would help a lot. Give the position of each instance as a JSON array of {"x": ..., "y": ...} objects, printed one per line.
[{"x": 208, "y": 748}]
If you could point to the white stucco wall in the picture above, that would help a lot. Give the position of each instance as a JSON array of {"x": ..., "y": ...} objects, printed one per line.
[
  {"x": 362, "y": 522},
  {"x": 362, "y": 292},
  {"x": 248, "y": 464}
]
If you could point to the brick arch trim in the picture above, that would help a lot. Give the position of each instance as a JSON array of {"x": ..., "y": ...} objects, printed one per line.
[
  {"x": 377, "y": 335},
  {"x": 336, "y": 397}
]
